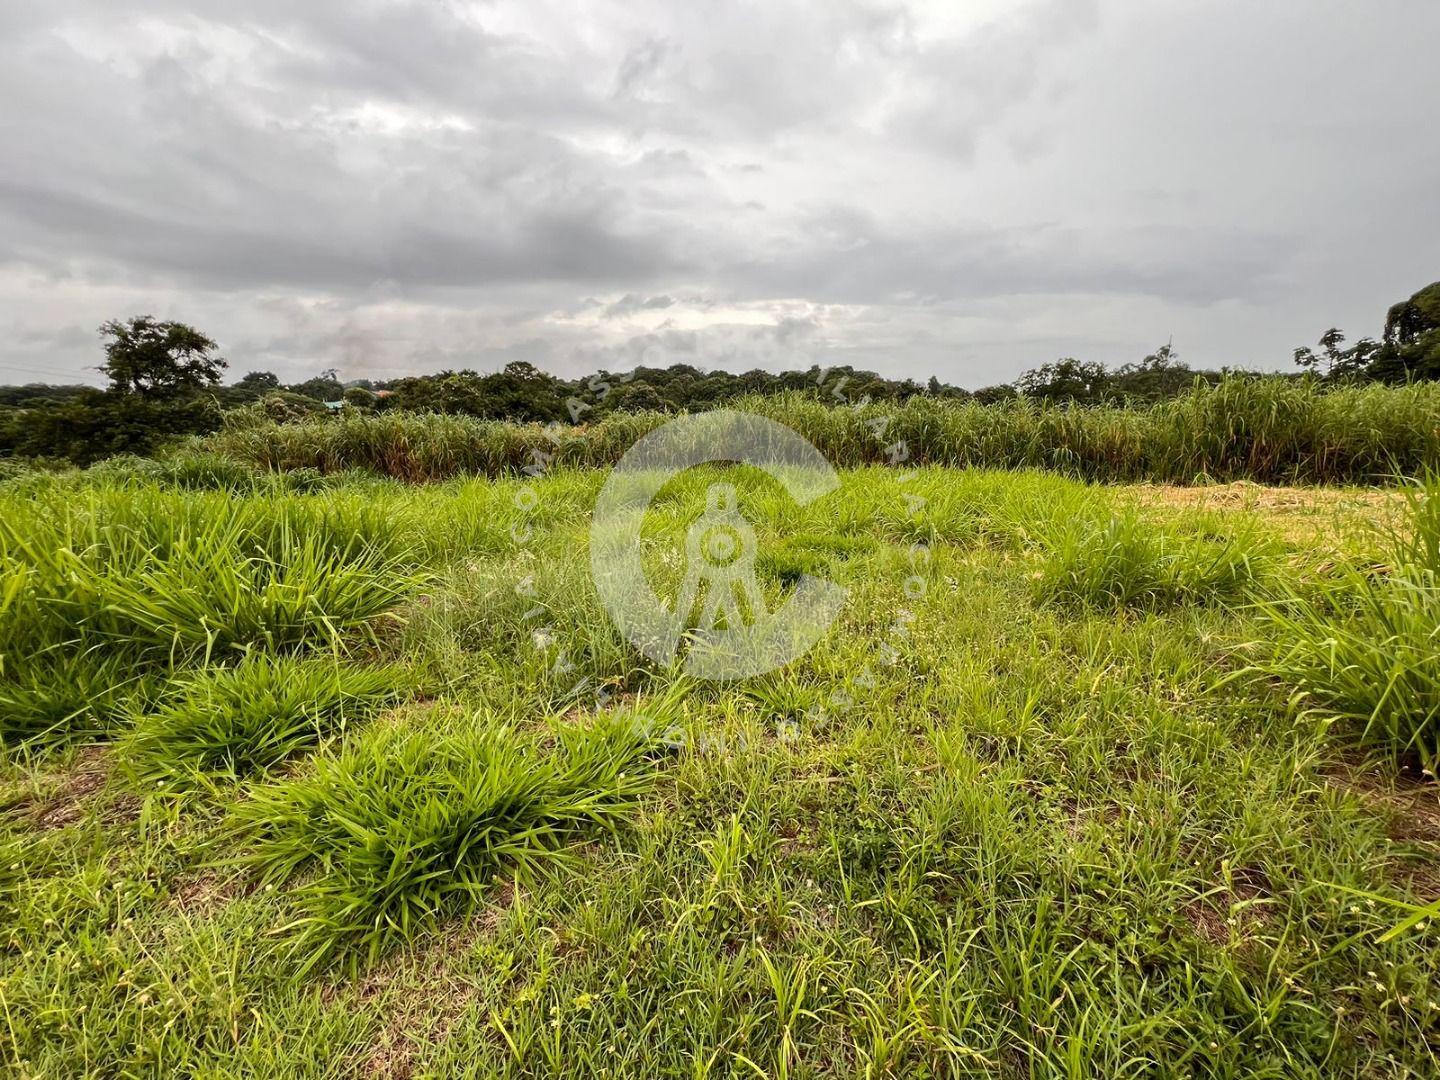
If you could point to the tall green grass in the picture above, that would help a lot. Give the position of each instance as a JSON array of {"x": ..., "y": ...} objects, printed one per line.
[
  {"x": 222, "y": 724},
  {"x": 407, "y": 824},
  {"x": 1123, "y": 561},
  {"x": 965, "y": 834},
  {"x": 419, "y": 447},
  {"x": 1268, "y": 429},
  {"x": 169, "y": 574},
  {"x": 105, "y": 589},
  {"x": 1365, "y": 650}
]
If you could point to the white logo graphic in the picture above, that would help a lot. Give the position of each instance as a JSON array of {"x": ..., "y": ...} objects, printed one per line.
[{"x": 734, "y": 636}]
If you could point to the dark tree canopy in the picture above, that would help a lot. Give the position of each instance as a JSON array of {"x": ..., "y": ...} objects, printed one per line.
[
  {"x": 1408, "y": 320},
  {"x": 1410, "y": 351},
  {"x": 159, "y": 359},
  {"x": 260, "y": 381},
  {"x": 1065, "y": 380},
  {"x": 324, "y": 387}
]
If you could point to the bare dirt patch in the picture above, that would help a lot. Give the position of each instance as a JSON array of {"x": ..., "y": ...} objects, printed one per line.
[
  {"x": 423, "y": 992},
  {"x": 1207, "y": 923},
  {"x": 1239, "y": 907},
  {"x": 1409, "y": 807},
  {"x": 204, "y": 892},
  {"x": 72, "y": 793}
]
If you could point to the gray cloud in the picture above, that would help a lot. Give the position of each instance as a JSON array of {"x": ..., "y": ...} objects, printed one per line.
[
  {"x": 631, "y": 303},
  {"x": 399, "y": 185}
]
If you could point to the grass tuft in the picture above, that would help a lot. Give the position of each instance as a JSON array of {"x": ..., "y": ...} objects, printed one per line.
[
  {"x": 225, "y": 723},
  {"x": 1123, "y": 561},
  {"x": 58, "y": 697},
  {"x": 405, "y": 825},
  {"x": 1365, "y": 651}
]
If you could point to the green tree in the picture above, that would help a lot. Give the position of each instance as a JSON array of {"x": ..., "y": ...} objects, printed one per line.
[
  {"x": 523, "y": 392},
  {"x": 324, "y": 387},
  {"x": 640, "y": 396},
  {"x": 1412, "y": 339},
  {"x": 1160, "y": 375},
  {"x": 261, "y": 382},
  {"x": 1338, "y": 363},
  {"x": 158, "y": 372},
  {"x": 359, "y": 397},
  {"x": 158, "y": 359},
  {"x": 1410, "y": 320},
  {"x": 1067, "y": 379}
]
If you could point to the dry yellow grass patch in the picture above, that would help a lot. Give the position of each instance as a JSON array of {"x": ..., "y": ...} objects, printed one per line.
[{"x": 1298, "y": 514}]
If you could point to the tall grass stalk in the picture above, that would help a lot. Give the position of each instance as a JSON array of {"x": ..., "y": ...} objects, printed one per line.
[
  {"x": 1264, "y": 428},
  {"x": 1365, "y": 651}
]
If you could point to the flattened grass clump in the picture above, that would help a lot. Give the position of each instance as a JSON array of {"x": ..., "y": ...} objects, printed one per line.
[
  {"x": 406, "y": 824},
  {"x": 225, "y": 723},
  {"x": 810, "y": 553},
  {"x": 156, "y": 571},
  {"x": 1366, "y": 652},
  {"x": 61, "y": 696}
]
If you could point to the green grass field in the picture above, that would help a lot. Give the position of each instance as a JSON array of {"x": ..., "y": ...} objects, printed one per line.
[{"x": 315, "y": 775}]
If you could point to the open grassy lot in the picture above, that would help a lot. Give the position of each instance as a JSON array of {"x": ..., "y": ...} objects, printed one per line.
[{"x": 325, "y": 775}]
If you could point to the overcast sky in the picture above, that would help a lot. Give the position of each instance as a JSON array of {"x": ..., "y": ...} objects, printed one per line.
[{"x": 963, "y": 188}]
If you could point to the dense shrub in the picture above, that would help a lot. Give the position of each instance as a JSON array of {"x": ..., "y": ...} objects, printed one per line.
[{"x": 98, "y": 425}]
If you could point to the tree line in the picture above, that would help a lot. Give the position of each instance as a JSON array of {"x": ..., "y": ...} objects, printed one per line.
[{"x": 165, "y": 379}]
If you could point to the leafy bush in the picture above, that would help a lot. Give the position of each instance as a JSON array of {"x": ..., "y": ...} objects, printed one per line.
[
  {"x": 98, "y": 425},
  {"x": 225, "y": 723}
]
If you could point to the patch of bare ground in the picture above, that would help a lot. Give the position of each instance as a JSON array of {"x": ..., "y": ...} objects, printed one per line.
[
  {"x": 421, "y": 992},
  {"x": 612, "y": 701},
  {"x": 82, "y": 787},
  {"x": 205, "y": 892},
  {"x": 1409, "y": 807},
  {"x": 1237, "y": 907}
]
